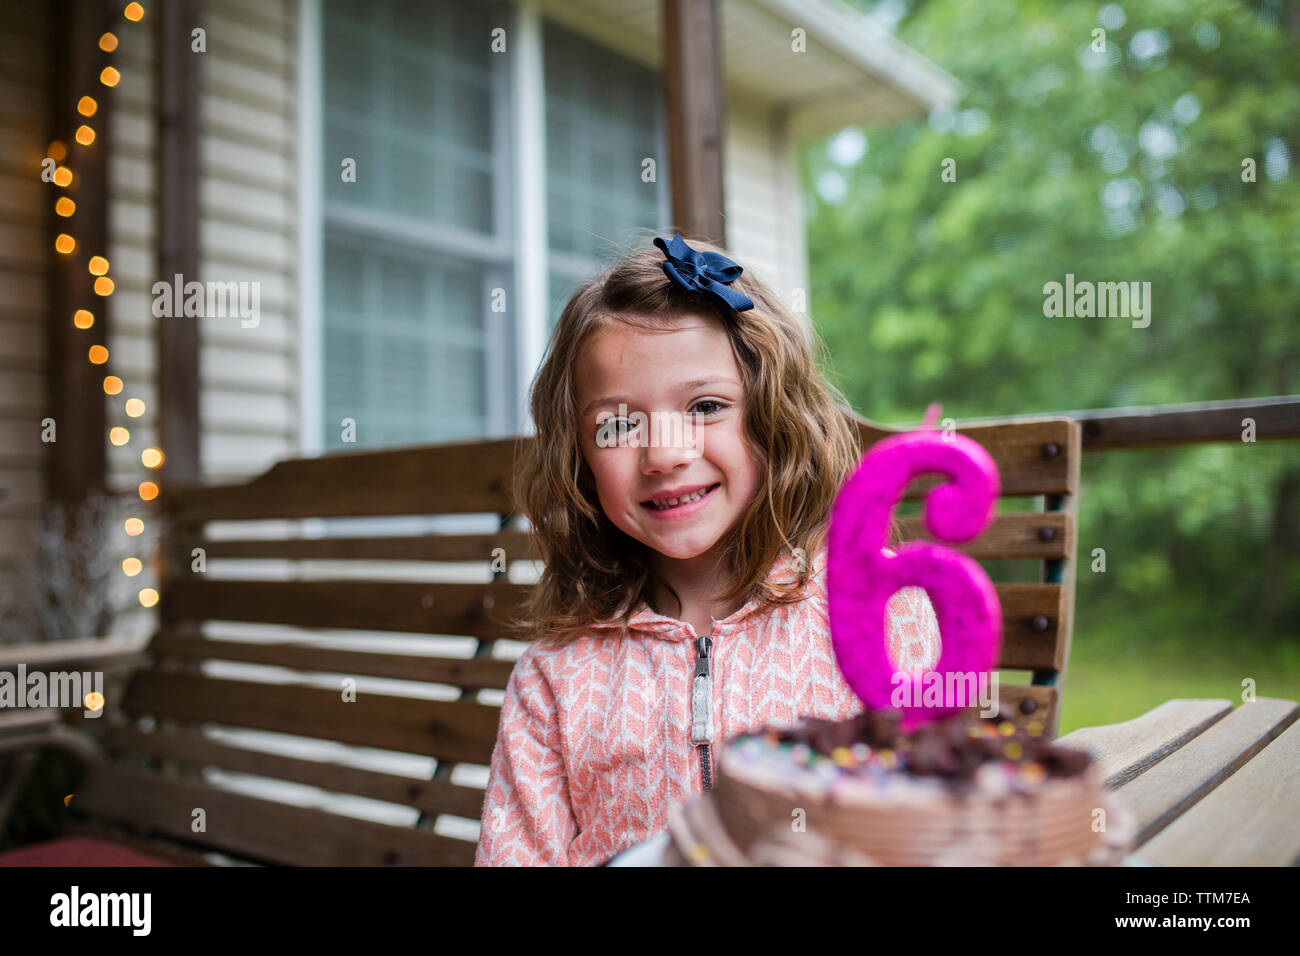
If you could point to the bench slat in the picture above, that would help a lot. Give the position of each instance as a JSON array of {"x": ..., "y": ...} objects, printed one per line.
[
  {"x": 448, "y": 730},
  {"x": 1248, "y": 820},
  {"x": 1127, "y": 749},
  {"x": 1018, "y": 448},
  {"x": 478, "y": 610},
  {"x": 428, "y": 547},
  {"x": 1187, "y": 775},
  {"x": 259, "y": 829},
  {"x": 412, "y": 606},
  {"x": 1022, "y": 646},
  {"x": 1021, "y": 535},
  {"x": 464, "y": 478},
  {"x": 189, "y": 746},
  {"x": 474, "y": 673}
]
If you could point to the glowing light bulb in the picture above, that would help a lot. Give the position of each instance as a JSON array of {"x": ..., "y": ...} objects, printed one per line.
[
  {"x": 112, "y": 385},
  {"x": 148, "y": 597},
  {"x": 118, "y": 435},
  {"x": 63, "y": 176},
  {"x": 97, "y": 265},
  {"x": 98, "y": 355},
  {"x": 148, "y": 491},
  {"x": 151, "y": 457},
  {"x": 65, "y": 243},
  {"x": 86, "y": 106},
  {"x": 133, "y": 12},
  {"x": 65, "y": 207},
  {"x": 104, "y": 286},
  {"x": 134, "y": 526},
  {"x": 108, "y": 42},
  {"x": 83, "y": 319},
  {"x": 132, "y": 566},
  {"x": 109, "y": 76},
  {"x": 134, "y": 407},
  {"x": 85, "y": 135}
]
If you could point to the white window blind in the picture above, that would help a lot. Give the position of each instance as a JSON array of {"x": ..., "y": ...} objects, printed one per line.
[
  {"x": 604, "y": 117},
  {"x": 416, "y": 245}
]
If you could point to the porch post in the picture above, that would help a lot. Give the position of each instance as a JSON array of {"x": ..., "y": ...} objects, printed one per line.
[
  {"x": 78, "y": 462},
  {"x": 178, "y": 235},
  {"x": 694, "y": 92}
]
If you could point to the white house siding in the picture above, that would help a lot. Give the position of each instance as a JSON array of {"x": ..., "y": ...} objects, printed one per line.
[
  {"x": 765, "y": 226},
  {"x": 247, "y": 210},
  {"x": 25, "y": 261}
]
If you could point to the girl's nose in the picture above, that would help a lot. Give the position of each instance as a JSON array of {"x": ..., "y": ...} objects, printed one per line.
[{"x": 668, "y": 447}]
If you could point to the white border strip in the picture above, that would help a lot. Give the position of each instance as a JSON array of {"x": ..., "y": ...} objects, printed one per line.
[
  {"x": 311, "y": 233},
  {"x": 528, "y": 105}
]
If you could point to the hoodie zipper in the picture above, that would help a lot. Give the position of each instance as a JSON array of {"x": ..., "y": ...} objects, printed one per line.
[{"x": 702, "y": 707}]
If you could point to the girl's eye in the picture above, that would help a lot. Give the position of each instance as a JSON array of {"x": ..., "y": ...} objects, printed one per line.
[
  {"x": 708, "y": 406},
  {"x": 611, "y": 430}
]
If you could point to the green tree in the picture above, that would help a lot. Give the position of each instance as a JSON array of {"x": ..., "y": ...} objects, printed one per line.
[{"x": 1114, "y": 156}]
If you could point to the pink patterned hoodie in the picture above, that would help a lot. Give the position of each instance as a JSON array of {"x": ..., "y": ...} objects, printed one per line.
[{"x": 595, "y": 739}]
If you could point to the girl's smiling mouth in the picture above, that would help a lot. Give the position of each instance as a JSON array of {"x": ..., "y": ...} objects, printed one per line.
[{"x": 680, "y": 502}]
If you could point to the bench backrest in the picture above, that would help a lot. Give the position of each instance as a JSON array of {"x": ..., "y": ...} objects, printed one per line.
[
  {"x": 248, "y": 641},
  {"x": 1029, "y": 551}
]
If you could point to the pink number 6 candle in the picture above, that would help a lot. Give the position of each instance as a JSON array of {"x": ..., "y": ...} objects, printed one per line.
[{"x": 860, "y": 577}]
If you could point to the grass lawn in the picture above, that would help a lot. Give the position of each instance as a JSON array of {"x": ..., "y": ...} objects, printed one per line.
[{"x": 1121, "y": 666}]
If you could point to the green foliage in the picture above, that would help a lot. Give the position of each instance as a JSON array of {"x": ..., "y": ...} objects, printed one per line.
[{"x": 1122, "y": 165}]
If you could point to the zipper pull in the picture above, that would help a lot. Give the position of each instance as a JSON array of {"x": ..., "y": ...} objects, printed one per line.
[{"x": 701, "y": 694}]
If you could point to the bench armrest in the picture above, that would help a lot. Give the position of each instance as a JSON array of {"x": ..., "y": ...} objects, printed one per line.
[
  {"x": 100, "y": 652},
  {"x": 52, "y": 734}
]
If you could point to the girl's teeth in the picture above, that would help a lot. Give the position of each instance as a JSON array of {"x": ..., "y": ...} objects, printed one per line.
[{"x": 664, "y": 503}]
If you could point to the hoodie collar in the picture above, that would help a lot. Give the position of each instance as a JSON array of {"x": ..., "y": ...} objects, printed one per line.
[{"x": 668, "y": 628}]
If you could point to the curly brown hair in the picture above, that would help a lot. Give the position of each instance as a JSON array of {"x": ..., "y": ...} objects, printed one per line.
[{"x": 795, "y": 425}]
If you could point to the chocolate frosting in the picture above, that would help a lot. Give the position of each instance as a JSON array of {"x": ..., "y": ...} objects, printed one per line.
[{"x": 945, "y": 748}]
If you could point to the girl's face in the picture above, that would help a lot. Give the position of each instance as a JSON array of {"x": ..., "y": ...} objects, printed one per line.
[{"x": 679, "y": 432}]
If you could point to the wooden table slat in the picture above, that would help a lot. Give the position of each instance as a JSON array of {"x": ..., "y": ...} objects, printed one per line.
[
  {"x": 1175, "y": 784},
  {"x": 1127, "y": 749},
  {"x": 1248, "y": 820}
]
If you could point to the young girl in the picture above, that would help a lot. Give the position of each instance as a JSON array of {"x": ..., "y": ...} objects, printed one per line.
[{"x": 683, "y": 598}]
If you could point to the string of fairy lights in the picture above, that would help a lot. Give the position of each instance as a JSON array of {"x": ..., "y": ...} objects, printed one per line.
[{"x": 66, "y": 244}]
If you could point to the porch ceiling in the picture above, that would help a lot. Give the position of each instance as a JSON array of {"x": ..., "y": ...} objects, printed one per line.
[{"x": 853, "y": 73}]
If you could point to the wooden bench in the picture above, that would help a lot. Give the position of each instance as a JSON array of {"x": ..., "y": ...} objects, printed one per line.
[{"x": 275, "y": 602}]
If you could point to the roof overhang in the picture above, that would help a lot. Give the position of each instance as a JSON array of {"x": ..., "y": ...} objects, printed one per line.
[{"x": 851, "y": 71}]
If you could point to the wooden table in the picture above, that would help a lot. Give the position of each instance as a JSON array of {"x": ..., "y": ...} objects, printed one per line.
[{"x": 1210, "y": 785}]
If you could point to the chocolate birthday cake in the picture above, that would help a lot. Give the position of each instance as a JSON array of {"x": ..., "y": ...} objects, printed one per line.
[{"x": 861, "y": 792}]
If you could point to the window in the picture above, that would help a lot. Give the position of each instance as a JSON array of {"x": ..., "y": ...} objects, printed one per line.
[
  {"x": 417, "y": 245},
  {"x": 604, "y": 117}
]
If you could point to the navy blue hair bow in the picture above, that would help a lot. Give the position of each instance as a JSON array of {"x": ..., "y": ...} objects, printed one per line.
[{"x": 703, "y": 271}]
